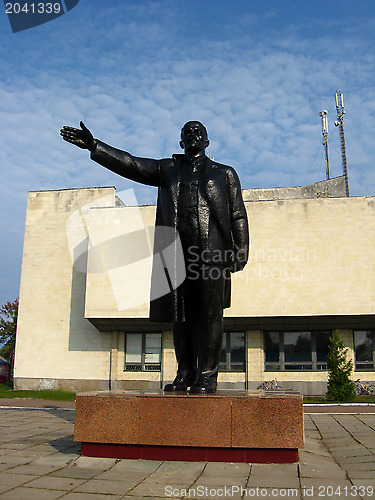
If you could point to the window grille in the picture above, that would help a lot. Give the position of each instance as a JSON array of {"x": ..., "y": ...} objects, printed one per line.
[{"x": 142, "y": 352}]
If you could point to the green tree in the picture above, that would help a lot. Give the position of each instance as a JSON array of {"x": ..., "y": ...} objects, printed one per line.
[
  {"x": 340, "y": 387},
  {"x": 8, "y": 328}
]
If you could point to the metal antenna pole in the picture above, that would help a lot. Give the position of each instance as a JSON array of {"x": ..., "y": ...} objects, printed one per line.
[
  {"x": 323, "y": 115},
  {"x": 340, "y": 123}
]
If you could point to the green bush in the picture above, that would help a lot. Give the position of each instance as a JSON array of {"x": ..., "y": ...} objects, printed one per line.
[{"x": 340, "y": 387}]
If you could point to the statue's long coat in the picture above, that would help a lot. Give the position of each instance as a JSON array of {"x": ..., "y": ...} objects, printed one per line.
[{"x": 220, "y": 197}]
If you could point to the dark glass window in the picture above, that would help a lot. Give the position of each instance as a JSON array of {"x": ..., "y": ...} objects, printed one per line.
[
  {"x": 142, "y": 352},
  {"x": 272, "y": 350},
  {"x": 321, "y": 344},
  {"x": 364, "y": 349},
  {"x": 233, "y": 352},
  {"x": 304, "y": 350},
  {"x": 297, "y": 350}
]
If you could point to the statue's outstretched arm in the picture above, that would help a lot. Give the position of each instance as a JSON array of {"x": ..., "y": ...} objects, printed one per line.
[{"x": 143, "y": 170}]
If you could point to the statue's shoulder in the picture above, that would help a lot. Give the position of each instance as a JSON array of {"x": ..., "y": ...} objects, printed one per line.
[
  {"x": 216, "y": 164},
  {"x": 220, "y": 166}
]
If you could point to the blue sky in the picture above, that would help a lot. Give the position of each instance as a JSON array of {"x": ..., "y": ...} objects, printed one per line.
[{"x": 257, "y": 74}]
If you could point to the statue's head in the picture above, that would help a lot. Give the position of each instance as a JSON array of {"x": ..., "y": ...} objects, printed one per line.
[{"x": 194, "y": 137}]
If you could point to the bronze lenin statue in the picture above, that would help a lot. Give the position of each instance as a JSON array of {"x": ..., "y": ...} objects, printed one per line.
[{"x": 202, "y": 201}]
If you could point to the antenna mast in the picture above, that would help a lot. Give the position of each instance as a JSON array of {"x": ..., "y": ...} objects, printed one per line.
[
  {"x": 340, "y": 123},
  {"x": 323, "y": 115}
]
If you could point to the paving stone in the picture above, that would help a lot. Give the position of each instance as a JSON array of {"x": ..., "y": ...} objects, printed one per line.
[
  {"x": 312, "y": 449},
  {"x": 357, "y": 460},
  {"x": 5, "y": 467},
  {"x": 16, "y": 479},
  {"x": 22, "y": 493},
  {"x": 76, "y": 473},
  {"x": 267, "y": 475},
  {"x": 187, "y": 479},
  {"x": 90, "y": 496},
  {"x": 59, "y": 459},
  {"x": 38, "y": 470},
  {"x": 12, "y": 461},
  {"x": 105, "y": 487},
  {"x": 176, "y": 472},
  {"x": 118, "y": 475},
  {"x": 322, "y": 471},
  {"x": 55, "y": 483},
  {"x": 360, "y": 466},
  {"x": 226, "y": 468},
  {"x": 185, "y": 467},
  {"x": 346, "y": 446},
  {"x": 31, "y": 452},
  {"x": 101, "y": 464},
  {"x": 366, "y": 441},
  {"x": 353, "y": 452},
  {"x": 361, "y": 474},
  {"x": 3, "y": 451},
  {"x": 5, "y": 487},
  {"x": 145, "y": 466}
]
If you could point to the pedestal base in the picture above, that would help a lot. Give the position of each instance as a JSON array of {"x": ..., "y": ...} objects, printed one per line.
[
  {"x": 260, "y": 427},
  {"x": 190, "y": 453}
]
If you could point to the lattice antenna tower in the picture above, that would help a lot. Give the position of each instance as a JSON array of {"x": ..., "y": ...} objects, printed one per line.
[
  {"x": 323, "y": 115},
  {"x": 340, "y": 123}
]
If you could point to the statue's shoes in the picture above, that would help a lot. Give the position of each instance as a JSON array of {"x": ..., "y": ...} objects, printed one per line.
[
  {"x": 205, "y": 386},
  {"x": 180, "y": 383}
]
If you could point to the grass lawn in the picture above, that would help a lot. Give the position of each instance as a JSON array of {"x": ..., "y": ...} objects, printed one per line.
[
  {"x": 54, "y": 395},
  {"x": 322, "y": 400}
]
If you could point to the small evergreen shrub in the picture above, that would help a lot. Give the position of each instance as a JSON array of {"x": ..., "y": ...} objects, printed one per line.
[{"x": 340, "y": 387}]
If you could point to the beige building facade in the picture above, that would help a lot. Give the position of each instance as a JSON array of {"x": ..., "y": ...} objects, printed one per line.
[{"x": 85, "y": 286}]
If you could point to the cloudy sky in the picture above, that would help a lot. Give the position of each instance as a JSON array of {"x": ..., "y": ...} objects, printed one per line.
[{"x": 257, "y": 74}]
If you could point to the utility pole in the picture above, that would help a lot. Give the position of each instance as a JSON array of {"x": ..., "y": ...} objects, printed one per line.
[
  {"x": 323, "y": 115},
  {"x": 340, "y": 123}
]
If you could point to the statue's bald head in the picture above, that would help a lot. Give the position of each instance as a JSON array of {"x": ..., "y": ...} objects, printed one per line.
[{"x": 194, "y": 136}]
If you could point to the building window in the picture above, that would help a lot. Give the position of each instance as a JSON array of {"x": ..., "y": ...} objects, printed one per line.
[
  {"x": 364, "y": 349},
  {"x": 293, "y": 351},
  {"x": 233, "y": 352},
  {"x": 142, "y": 352}
]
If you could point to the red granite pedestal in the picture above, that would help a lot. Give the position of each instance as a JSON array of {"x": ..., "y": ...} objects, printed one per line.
[{"x": 229, "y": 426}]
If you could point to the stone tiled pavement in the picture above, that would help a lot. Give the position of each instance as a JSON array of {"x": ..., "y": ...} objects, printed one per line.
[{"x": 39, "y": 460}]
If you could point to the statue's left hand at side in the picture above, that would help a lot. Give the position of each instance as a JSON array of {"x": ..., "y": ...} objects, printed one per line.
[{"x": 82, "y": 137}]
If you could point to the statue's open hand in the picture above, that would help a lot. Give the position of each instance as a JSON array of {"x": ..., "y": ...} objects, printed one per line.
[{"x": 82, "y": 137}]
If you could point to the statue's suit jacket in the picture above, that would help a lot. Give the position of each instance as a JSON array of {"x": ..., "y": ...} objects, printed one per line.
[{"x": 219, "y": 200}]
